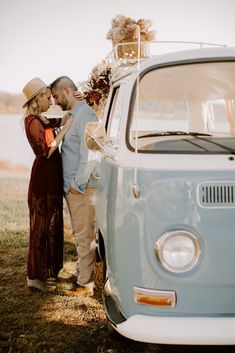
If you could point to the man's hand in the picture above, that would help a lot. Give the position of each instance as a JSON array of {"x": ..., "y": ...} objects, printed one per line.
[{"x": 73, "y": 191}]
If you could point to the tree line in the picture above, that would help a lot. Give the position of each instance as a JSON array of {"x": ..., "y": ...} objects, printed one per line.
[{"x": 11, "y": 103}]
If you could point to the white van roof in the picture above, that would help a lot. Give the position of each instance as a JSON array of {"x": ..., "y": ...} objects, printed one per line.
[{"x": 176, "y": 57}]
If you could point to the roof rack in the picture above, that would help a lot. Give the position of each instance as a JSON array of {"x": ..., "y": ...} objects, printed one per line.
[{"x": 127, "y": 52}]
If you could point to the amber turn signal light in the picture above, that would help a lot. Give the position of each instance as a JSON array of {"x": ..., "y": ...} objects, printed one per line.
[{"x": 154, "y": 297}]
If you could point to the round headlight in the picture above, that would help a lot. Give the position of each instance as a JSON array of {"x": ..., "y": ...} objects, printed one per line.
[{"x": 178, "y": 251}]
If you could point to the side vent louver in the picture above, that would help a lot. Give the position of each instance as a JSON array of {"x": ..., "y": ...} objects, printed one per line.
[{"x": 217, "y": 194}]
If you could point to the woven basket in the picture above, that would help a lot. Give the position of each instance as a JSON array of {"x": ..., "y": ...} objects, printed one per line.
[{"x": 130, "y": 51}]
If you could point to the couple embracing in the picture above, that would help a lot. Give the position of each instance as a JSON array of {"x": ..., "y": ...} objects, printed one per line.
[{"x": 54, "y": 175}]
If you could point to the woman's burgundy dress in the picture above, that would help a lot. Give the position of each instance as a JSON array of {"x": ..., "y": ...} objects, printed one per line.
[{"x": 45, "y": 200}]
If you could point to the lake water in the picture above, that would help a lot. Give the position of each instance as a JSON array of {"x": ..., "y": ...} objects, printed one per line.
[{"x": 14, "y": 146}]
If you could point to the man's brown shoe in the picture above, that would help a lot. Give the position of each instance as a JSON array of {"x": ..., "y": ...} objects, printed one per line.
[{"x": 77, "y": 290}]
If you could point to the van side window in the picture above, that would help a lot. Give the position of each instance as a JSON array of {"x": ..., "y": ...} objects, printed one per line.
[{"x": 114, "y": 120}]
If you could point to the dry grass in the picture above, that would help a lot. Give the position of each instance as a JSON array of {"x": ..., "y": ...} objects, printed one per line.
[
  {"x": 33, "y": 322},
  {"x": 37, "y": 322}
]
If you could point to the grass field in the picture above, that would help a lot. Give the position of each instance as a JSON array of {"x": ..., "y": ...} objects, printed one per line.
[
  {"x": 34, "y": 322},
  {"x": 39, "y": 322}
]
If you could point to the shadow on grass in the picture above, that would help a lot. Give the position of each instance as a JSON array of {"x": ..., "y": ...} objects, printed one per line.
[{"x": 35, "y": 322}]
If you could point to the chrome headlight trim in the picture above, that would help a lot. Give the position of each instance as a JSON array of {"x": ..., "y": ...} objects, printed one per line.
[{"x": 165, "y": 238}]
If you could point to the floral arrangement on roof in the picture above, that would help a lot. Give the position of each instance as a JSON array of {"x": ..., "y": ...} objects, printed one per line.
[
  {"x": 96, "y": 88},
  {"x": 124, "y": 28}
]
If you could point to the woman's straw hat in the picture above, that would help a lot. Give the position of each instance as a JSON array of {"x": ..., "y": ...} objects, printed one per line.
[{"x": 32, "y": 88}]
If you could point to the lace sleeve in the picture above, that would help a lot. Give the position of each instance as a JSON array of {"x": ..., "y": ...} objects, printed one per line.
[{"x": 36, "y": 135}]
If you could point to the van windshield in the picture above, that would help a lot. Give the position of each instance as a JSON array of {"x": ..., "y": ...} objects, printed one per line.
[{"x": 186, "y": 108}]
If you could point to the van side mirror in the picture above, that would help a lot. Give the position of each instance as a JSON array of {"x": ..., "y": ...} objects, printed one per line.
[{"x": 94, "y": 136}]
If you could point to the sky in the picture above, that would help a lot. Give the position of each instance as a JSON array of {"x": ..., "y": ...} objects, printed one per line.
[{"x": 50, "y": 38}]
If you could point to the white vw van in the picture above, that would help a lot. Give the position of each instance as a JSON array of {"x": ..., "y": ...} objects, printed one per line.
[{"x": 165, "y": 207}]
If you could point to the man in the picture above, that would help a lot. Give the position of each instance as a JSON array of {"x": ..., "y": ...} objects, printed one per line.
[{"x": 78, "y": 190}]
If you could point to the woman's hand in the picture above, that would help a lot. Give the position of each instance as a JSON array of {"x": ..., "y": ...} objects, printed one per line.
[{"x": 79, "y": 95}]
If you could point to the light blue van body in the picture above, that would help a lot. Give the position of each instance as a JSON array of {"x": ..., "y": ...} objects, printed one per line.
[{"x": 171, "y": 186}]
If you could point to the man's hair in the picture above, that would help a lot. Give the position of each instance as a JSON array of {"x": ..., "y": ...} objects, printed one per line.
[{"x": 63, "y": 81}]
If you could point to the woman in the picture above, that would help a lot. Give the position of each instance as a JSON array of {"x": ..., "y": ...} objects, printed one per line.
[{"x": 45, "y": 194}]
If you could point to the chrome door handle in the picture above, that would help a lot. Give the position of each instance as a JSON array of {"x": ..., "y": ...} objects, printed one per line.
[{"x": 96, "y": 177}]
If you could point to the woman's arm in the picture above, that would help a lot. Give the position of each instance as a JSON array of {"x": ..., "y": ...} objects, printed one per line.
[
  {"x": 64, "y": 119},
  {"x": 55, "y": 143}
]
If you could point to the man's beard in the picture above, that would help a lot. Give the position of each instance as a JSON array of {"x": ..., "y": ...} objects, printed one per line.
[{"x": 64, "y": 104}]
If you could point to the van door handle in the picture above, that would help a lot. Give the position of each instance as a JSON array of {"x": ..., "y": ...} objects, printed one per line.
[{"x": 96, "y": 177}]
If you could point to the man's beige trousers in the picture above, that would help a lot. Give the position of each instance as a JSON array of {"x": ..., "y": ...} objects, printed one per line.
[{"x": 82, "y": 213}]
